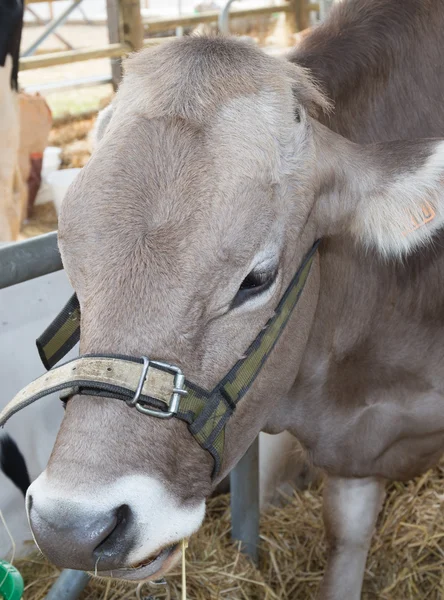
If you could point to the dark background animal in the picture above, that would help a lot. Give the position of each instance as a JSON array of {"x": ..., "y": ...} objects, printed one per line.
[{"x": 13, "y": 464}]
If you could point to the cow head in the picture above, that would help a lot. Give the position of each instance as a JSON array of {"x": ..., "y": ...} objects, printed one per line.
[{"x": 210, "y": 181}]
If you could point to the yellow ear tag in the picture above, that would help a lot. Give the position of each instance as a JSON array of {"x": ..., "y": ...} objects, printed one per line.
[
  {"x": 424, "y": 216},
  {"x": 184, "y": 573}
]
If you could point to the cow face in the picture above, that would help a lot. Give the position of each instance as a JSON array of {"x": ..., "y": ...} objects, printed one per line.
[{"x": 209, "y": 183}]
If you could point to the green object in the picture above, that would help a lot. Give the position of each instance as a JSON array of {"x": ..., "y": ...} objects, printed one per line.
[{"x": 11, "y": 582}]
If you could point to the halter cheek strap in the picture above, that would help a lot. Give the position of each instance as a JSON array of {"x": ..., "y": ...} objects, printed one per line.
[{"x": 155, "y": 388}]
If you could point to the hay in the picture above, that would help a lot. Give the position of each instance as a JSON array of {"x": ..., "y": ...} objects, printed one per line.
[
  {"x": 405, "y": 563},
  {"x": 43, "y": 219},
  {"x": 73, "y": 137}
]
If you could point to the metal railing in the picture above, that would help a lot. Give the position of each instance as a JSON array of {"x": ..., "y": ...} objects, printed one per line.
[{"x": 21, "y": 261}]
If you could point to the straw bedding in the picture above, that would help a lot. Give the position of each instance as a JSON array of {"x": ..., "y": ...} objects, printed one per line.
[{"x": 405, "y": 563}]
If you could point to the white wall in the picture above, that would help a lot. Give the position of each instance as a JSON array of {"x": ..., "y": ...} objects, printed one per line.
[{"x": 25, "y": 311}]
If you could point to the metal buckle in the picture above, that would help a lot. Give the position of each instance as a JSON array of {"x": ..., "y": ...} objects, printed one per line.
[{"x": 178, "y": 390}]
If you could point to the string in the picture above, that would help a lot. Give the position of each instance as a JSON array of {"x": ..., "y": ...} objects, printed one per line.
[{"x": 184, "y": 574}]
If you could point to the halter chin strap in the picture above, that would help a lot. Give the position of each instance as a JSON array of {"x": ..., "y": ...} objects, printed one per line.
[{"x": 156, "y": 388}]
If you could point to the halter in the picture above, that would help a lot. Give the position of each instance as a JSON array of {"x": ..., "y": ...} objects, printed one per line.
[{"x": 155, "y": 388}]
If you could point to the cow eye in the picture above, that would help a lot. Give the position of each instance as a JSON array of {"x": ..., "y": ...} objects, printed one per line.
[{"x": 254, "y": 284}]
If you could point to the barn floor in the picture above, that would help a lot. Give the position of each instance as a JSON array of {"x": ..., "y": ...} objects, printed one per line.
[{"x": 407, "y": 556}]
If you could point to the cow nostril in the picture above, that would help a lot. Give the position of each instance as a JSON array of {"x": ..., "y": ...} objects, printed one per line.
[
  {"x": 122, "y": 513},
  {"x": 115, "y": 531},
  {"x": 28, "y": 502}
]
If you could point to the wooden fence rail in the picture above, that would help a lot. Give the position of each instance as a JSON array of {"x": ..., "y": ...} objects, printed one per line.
[
  {"x": 60, "y": 58},
  {"x": 159, "y": 25}
]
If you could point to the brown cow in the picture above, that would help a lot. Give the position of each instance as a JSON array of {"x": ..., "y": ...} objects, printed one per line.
[{"x": 212, "y": 180}]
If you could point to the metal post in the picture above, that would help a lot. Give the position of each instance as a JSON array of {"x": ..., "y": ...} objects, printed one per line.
[
  {"x": 179, "y": 29},
  {"x": 112, "y": 12},
  {"x": 244, "y": 485},
  {"x": 223, "y": 21},
  {"x": 69, "y": 585},
  {"x": 32, "y": 258},
  {"x": 324, "y": 8},
  {"x": 51, "y": 27}
]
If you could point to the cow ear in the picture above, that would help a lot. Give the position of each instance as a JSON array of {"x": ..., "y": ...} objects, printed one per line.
[
  {"x": 388, "y": 196},
  {"x": 102, "y": 121}
]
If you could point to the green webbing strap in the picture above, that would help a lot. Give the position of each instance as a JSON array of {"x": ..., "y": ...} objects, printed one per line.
[
  {"x": 209, "y": 426},
  {"x": 61, "y": 335},
  {"x": 206, "y": 413}
]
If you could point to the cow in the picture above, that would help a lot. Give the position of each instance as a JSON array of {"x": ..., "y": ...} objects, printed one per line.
[{"x": 240, "y": 209}]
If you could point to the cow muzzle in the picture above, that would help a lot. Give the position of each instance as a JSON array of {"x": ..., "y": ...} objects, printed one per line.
[{"x": 131, "y": 529}]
